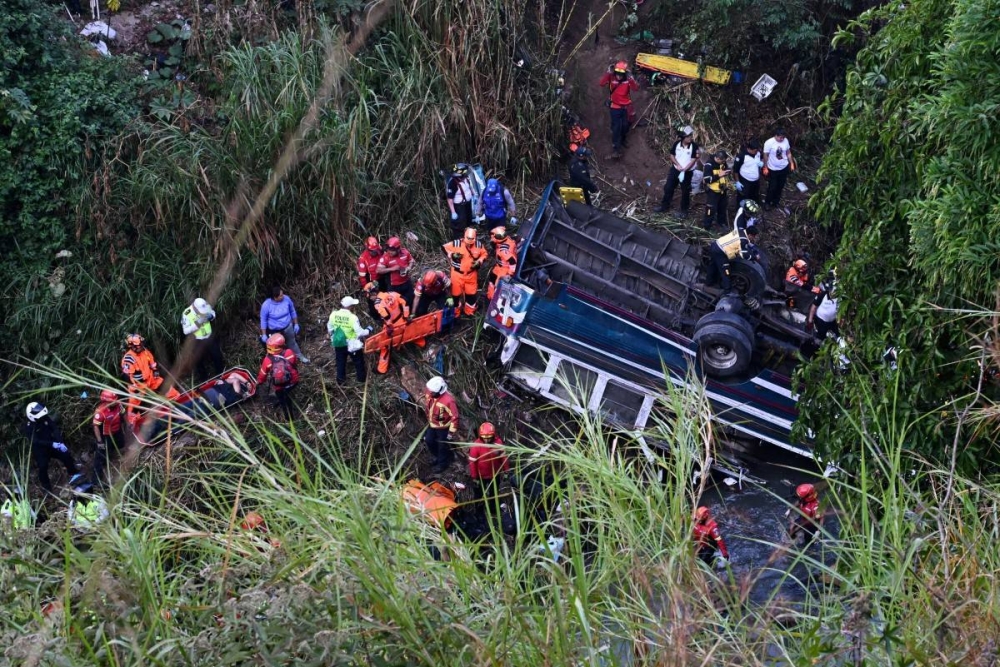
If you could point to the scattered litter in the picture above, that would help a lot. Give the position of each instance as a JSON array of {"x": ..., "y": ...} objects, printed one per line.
[
  {"x": 648, "y": 184},
  {"x": 321, "y": 432},
  {"x": 404, "y": 395},
  {"x": 459, "y": 486},
  {"x": 99, "y": 28},
  {"x": 763, "y": 87},
  {"x": 411, "y": 237},
  {"x": 84, "y": 394},
  {"x": 63, "y": 253},
  {"x": 730, "y": 482},
  {"x": 802, "y": 187},
  {"x": 102, "y": 48}
]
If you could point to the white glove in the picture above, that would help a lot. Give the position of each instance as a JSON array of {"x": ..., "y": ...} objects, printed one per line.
[
  {"x": 479, "y": 219},
  {"x": 60, "y": 446},
  {"x": 680, "y": 179},
  {"x": 739, "y": 186},
  {"x": 513, "y": 221},
  {"x": 721, "y": 563}
]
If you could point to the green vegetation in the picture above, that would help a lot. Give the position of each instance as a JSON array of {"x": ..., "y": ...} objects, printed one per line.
[{"x": 910, "y": 181}]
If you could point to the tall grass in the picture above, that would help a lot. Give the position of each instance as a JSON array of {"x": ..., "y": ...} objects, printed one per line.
[{"x": 345, "y": 575}]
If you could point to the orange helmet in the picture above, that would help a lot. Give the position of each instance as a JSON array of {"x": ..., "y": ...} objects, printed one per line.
[
  {"x": 702, "y": 514},
  {"x": 372, "y": 244},
  {"x": 430, "y": 277},
  {"x": 498, "y": 233},
  {"x": 134, "y": 340},
  {"x": 621, "y": 67},
  {"x": 274, "y": 343},
  {"x": 470, "y": 235},
  {"x": 800, "y": 265},
  {"x": 371, "y": 289},
  {"x": 393, "y": 243},
  {"x": 805, "y": 492},
  {"x": 486, "y": 431},
  {"x": 107, "y": 395},
  {"x": 254, "y": 521}
]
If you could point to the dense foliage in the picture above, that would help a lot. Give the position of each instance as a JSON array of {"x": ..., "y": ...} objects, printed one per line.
[{"x": 910, "y": 176}]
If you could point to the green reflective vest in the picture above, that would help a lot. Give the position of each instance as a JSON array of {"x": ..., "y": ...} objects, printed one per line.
[
  {"x": 18, "y": 513},
  {"x": 190, "y": 318},
  {"x": 88, "y": 514},
  {"x": 345, "y": 322}
]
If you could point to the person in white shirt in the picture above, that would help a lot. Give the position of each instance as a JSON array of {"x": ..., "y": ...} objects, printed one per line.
[
  {"x": 683, "y": 160},
  {"x": 747, "y": 167},
  {"x": 778, "y": 162}
]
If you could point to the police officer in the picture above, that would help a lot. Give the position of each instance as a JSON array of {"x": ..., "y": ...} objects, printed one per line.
[
  {"x": 197, "y": 320},
  {"x": 46, "y": 438},
  {"x": 579, "y": 173}
]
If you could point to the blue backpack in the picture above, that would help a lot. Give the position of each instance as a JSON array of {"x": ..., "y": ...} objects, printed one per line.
[{"x": 494, "y": 203}]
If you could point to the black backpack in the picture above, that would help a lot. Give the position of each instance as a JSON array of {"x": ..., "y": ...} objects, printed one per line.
[{"x": 281, "y": 371}]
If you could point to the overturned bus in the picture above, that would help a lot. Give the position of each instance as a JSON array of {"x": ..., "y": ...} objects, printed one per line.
[{"x": 602, "y": 310}]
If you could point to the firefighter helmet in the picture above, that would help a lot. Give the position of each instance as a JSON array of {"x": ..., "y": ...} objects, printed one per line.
[
  {"x": 621, "y": 67},
  {"x": 751, "y": 207},
  {"x": 459, "y": 169},
  {"x": 107, "y": 395},
  {"x": 805, "y": 492},
  {"x": 498, "y": 233},
  {"x": 487, "y": 431},
  {"x": 35, "y": 411},
  {"x": 393, "y": 243},
  {"x": 275, "y": 342},
  {"x": 372, "y": 244},
  {"x": 436, "y": 385},
  {"x": 702, "y": 514},
  {"x": 470, "y": 235},
  {"x": 800, "y": 265},
  {"x": 430, "y": 277},
  {"x": 134, "y": 340}
]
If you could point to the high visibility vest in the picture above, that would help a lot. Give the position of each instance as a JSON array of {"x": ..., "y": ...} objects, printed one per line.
[
  {"x": 730, "y": 244},
  {"x": 190, "y": 318},
  {"x": 87, "y": 514},
  {"x": 343, "y": 320},
  {"x": 18, "y": 513}
]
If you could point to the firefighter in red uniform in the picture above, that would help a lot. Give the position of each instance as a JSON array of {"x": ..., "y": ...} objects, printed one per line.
[
  {"x": 368, "y": 269},
  {"x": 620, "y": 85},
  {"x": 486, "y": 460},
  {"x": 466, "y": 254},
  {"x": 394, "y": 313},
  {"x": 807, "y": 519},
  {"x": 279, "y": 367},
  {"x": 505, "y": 256},
  {"x": 433, "y": 287},
  {"x": 707, "y": 537},
  {"x": 108, "y": 432},
  {"x": 396, "y": 263},
  {"x": 442, "y": 423}
]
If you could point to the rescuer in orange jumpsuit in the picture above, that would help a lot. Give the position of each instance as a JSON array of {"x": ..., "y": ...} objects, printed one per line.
[
  {"x": 139, "y": 367},
  {"x": 393, "y": 312},
  {"x": 466, "y": 255},
  {"x": 505, "y": 259},
  {"x": 707, "y": 537},
  {"x": 798, "y": 280}
]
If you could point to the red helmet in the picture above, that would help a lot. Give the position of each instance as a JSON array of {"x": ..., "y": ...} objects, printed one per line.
[
  {"x": 134, "y": 340},
  {"x": 372, "y": 244},
  {"x": 621, "y": 67},
  {"x": 800, "y": 265},
  {"x": 486, "y": 431},
  {"x": 498, "y": 233},
  {"x": 702, "y": 514},
  {"x": 393, "y": 243},
  {"x": 254, "y": 521},
  {"x": 805, "y": 492},
  {"x": 275, "y": 342},
  {"x": 107, "y": 395},
  {"x": 470, "y": 235},
  {"x": 430, "y": 277}
]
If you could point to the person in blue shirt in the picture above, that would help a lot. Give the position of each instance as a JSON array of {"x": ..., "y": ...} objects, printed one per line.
[
  {"x": 277, "y": 315},
  {"x": 495, "y": 204}
]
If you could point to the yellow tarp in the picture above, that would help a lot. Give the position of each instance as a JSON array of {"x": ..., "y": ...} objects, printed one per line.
[{"x": 682, "y": 68}]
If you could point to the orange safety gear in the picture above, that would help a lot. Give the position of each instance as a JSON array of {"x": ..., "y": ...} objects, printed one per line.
[
  {"x": 430, "y": 277},
  {"x": 393, "y": 243},
  {"x": 702, "y": 514},
  {"x": 370, "y": 289},
  {"x": 487, "y": 431},
  {"x": 254, "y": 521},
  {"x": 577, "y": 137},
  {"x": 433, "y": 502},
  {"x": 107, "y": 395},
  {"x": 394, "y": 311},
  {"x": 800, "y": 265},
  {"x": 442, "y": 411},
  {"x": 621, "y": 67},
  {"x": 505, "y": 264},
  {"x": 140, "y": 367},
  {"x": 798, "y": 276},
  {"x": 433, "y": 283},
  {"x": 498, "y": 234},
  {"x": 372, "y": 244},
  {"x": 806, "y": 492},
  {"x": 134, "y": 340},
  {"x": 275, "y": 342},
  {"x": 466, "y": 258}
]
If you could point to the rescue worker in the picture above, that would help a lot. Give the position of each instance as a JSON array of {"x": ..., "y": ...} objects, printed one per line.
[
  {"x": 109, "y": 432},
  {"x": 741, "y": 242},
  {"x": 346, "y": 333},
  {"x": 138, "y": 364},
  {"x": 798, "y": 281},
  {"x": 442, "y": 423},
  {"x": 460, "y": 195},
  {"x": 466, "y": 255},
  {"x": 393, "y": 312},
  {"x": 683, "y": 161},
  {"x": 197, "y": 320},
  {"x": 747, "y": 215},
  {"x": 367, "y": 270},
  {"x": 496, "y": 205},
  {"x": 86, "y": 510},
  {"x": 486, "y": 460},
  {"x": 279, "y": 368},
  {"x": 433, "y": 287},
  {"x": 778, "y": 163},
  {"x": 579, "y": 174},
  {"x": 505, "y": 259},
  {"x": 620, "y": 85},
  {"x": 46, "y": 440},
  {"x": 707, "y": 537},
  {"x": 823, "y": 311},
  {"x": 717, "y": 188},
  {"x": 747, "y": 167},
  {"x": 807, "y": 519},
  {"x": 16, "y": 513},
  {"x": 396, "y": 262},
  {"x": 278, "y": 315}
]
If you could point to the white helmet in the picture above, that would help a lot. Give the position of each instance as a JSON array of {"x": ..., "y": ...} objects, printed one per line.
[
  {"x": 437, "y": 385},
  {"x": 36, "y": 411},
  {"x": 200, "y": 305}
]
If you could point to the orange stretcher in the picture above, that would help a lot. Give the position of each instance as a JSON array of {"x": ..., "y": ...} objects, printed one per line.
[
  {"x": 418, "y": 327},
  {"x": 432, "y": 502},
  {"x": 682, "y": 68}
]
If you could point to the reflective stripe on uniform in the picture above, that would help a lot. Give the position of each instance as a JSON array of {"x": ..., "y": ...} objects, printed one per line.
[{"x": 190, "y": 318}]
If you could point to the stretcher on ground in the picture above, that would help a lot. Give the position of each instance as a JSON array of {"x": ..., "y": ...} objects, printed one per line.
[
  {"x": 682, "y": 68},
  {"x": 416, "y": 329},
  {"x": 185, "y": 402}
]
